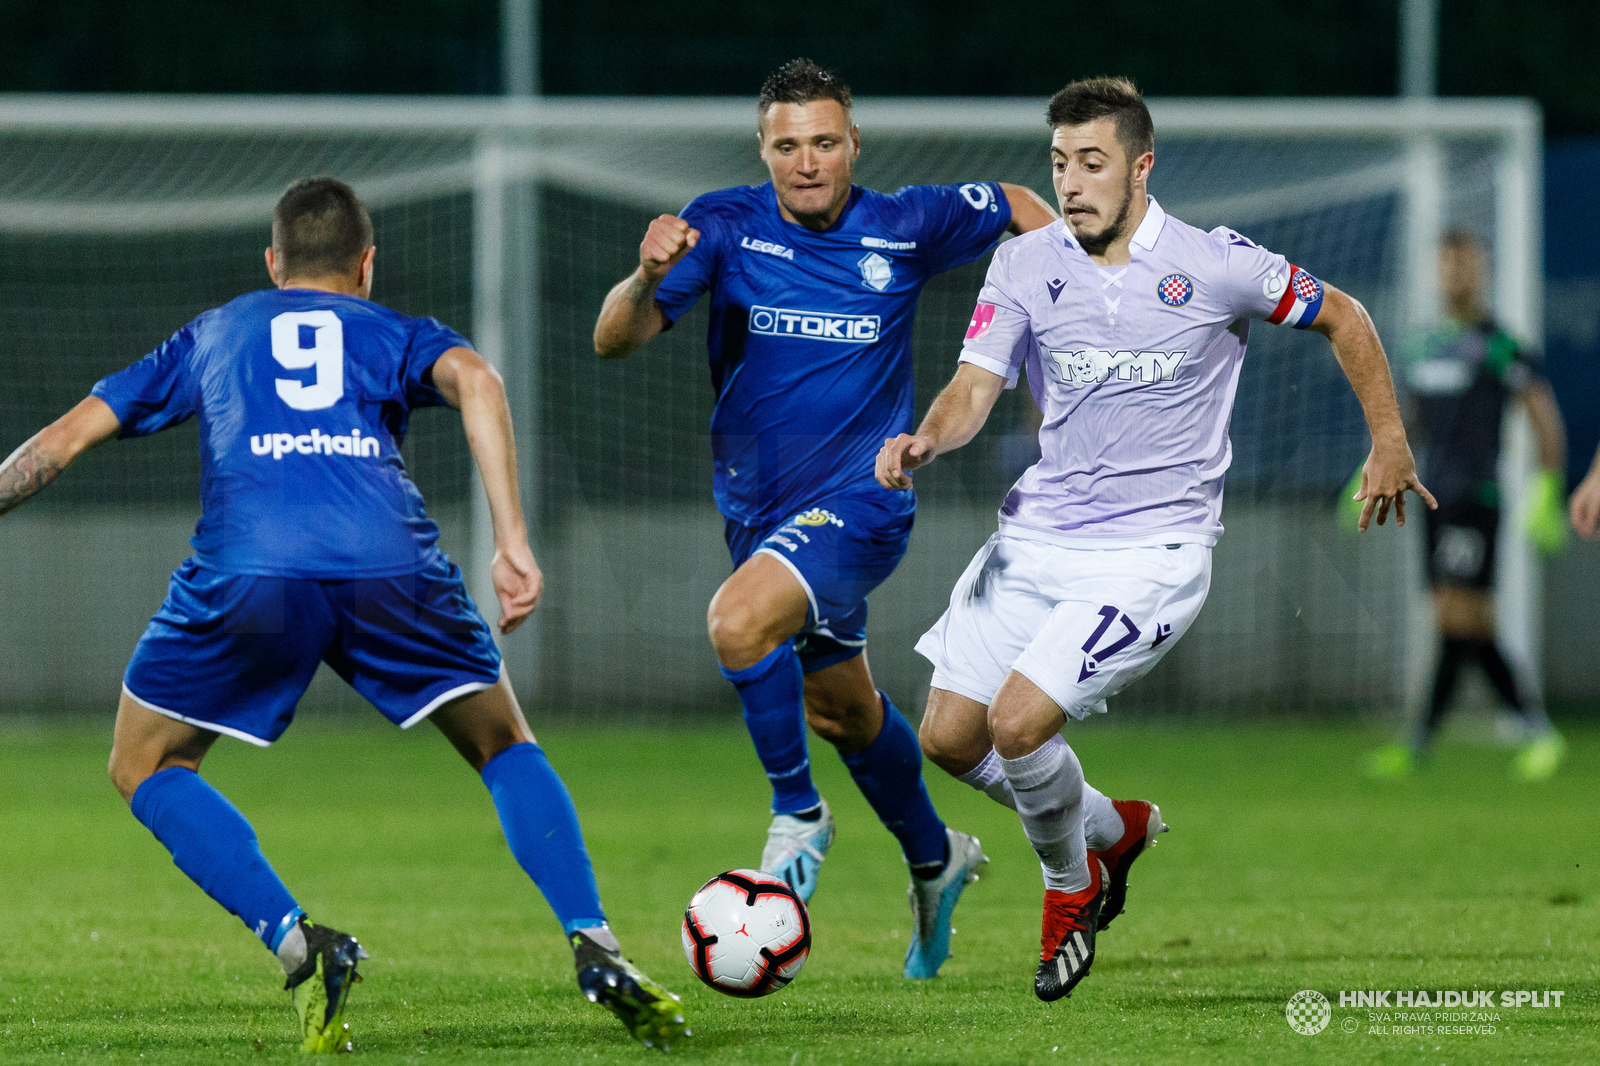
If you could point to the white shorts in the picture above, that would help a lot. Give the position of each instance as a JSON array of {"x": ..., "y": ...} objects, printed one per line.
[{"x": 1081, "y": 623}]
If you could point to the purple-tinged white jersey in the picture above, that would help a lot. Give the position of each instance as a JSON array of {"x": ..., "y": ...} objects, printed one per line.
[{"x": 1135, "y": 370}]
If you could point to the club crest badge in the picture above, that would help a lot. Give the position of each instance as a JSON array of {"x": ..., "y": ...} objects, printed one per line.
[
  {"x": 1307, "y": 289},
  {"x": 818, "y": 517},
  {"x": 876, "y": 271},
  {"x": 1175, "y": 290}
]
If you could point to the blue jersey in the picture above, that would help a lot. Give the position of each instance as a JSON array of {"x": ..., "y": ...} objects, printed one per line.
[
  {"x": 303, "y": 398},
  {"x": 810, "y": 338}
]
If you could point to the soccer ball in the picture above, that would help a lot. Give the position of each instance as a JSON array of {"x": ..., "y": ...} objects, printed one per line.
[{"x": 746, "y": 933}]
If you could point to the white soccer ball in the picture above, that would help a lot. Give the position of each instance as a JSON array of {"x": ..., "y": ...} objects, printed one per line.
[{"x": 746, "y": 933}]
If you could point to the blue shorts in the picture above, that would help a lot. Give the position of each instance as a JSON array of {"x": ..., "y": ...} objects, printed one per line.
[
  {"x": 839, "y": 550},
  {"x": 233, "y": 653}
]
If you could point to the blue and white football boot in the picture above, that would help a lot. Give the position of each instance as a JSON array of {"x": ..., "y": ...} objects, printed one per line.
[
  {"x": 795, "y": 850},
  {"x": 933, "y": 902}
]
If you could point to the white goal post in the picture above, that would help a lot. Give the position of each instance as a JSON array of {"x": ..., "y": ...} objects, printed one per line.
[{"x": 1244, "y": 162}]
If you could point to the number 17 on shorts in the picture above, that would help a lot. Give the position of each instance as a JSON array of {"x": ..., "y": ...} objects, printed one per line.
[{"x": 1082, "y": 624}]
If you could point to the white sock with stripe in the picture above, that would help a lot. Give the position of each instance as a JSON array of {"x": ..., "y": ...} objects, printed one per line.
[{"x": 1049, "y": 790}]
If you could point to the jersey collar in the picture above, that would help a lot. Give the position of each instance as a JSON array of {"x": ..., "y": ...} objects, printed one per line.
[{"x": 1144, "y": 238}]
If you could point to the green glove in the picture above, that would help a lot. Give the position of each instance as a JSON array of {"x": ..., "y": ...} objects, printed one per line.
[
  {"x": 1349, "y": 510},
  {"x": 1544, "y": 511}
]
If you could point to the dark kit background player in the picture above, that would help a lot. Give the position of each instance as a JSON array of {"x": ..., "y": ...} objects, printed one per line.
[
  {"x": 1459, "y": 380},
  {"x": 314, "y": 546},
  {"x": 813, "y": 284}
]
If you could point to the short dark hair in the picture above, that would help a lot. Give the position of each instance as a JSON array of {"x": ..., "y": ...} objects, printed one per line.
[
  {"x": 1459, "y": 239},
  {"x": 800, "y": 81},
  {"x": 1115, "y": 98},
  {"x": 320, "y": 228}
]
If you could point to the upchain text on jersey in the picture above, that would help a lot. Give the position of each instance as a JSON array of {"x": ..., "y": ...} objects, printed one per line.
[
  {"x": 1135, "y": 371},
  {"x": 810, "y": 336},
  {"x": 303, "y": 398}
]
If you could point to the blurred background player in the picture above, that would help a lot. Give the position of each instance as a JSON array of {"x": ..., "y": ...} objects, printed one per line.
[
  {"x": 313, "y": 546},
  {"x": 1132, "y": 327},
  {"x": 1459, "y": 381},
  {"x": 814, "y": 283}
]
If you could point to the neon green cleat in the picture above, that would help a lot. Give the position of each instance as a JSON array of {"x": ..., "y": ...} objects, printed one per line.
[
  {"x": 1390, "y": 762},
  {"x": 1539, "y": 758},
  {"x": 652, "y": 1015},
  {"x": 319, "y": 988}
]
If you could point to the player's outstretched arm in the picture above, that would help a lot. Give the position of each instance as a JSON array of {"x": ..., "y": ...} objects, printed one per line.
[
  {"x": 1029, "y": 210},
  {"x": 476, "y": 389},
  {"x": 1390, "y": 469},
  {"x": 958, "y": 412},
  {"x": 630, "y": 316},
  {"x": 50, "y": 451}
]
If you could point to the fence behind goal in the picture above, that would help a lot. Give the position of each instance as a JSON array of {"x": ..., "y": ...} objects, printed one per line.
[{"x": 122, "y": 219}]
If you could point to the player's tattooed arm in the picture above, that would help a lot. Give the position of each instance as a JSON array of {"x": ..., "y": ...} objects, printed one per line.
[
  {"x": 630, "y": 316},
  {"x": 1029, "y": 210},
  {"x": 958, "y": 412},
  {"x": 42, "y": 457},
  {"x": 1390, "y": 470},
  {"x": 30, "y": 468}
]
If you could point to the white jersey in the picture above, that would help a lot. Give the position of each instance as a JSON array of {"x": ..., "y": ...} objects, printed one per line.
[{"x": 1135, "y": 370}]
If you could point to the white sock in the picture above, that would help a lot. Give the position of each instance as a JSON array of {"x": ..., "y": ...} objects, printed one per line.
[
  {"x": 292, "y": 949},
  {"x": 1048, "y": 786},
  {"x": 1102, "y": 825},
  {"x": 989, "y": 777}
]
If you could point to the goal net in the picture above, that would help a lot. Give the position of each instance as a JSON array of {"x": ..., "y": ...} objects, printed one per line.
[{"x": 122, "y": 219}]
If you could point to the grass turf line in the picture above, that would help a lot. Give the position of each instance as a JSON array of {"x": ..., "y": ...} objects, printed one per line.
[{"x": 1284, "y": 870}]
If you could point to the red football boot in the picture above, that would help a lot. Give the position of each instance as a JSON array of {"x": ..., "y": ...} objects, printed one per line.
[
  {"x": 1066, "y": 944},
  {"x": 1141, "y": 825}
]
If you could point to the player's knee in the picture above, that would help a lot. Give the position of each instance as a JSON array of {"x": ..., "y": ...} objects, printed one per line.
[
  {"x": 737, "y": 633},
  {"x": 944, "y": 750},
  {"x": 1017, "y": 732}
]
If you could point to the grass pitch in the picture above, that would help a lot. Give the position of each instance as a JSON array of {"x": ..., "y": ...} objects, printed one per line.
[{"x": 1284, "y": 871}]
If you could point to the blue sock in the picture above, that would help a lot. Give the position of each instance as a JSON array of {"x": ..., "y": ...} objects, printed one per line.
[
  {"x": 541, "y": 825},
  {"x": 773, "y": 694},
  {"x": 889, "y": 773},
  {"x": 211, "y": 842}
]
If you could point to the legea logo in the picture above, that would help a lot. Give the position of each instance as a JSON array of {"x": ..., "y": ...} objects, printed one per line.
[
  {"x": 1091, "y": 366},
  {"x": 814, "y": 325},
  {"x": 316, "y": 442}
]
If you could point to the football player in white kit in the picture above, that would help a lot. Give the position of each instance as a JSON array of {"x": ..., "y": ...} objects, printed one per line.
[{"x": 1132, "y": 326}]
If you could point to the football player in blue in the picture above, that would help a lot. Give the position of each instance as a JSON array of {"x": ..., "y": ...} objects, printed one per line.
[
  {"x": 313, "y": 546},
  {"x": 814, "y": 284}
]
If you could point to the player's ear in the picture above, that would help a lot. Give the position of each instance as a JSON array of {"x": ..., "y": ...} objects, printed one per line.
[
  {"x": 272, "y": 266},
  {"x": 1143, "y": 165},
  {"x": 364, "y": 268},
  {"x": 855, "y": 141}
]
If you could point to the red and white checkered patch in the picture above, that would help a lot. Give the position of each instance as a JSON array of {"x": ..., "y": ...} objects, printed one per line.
[
  {"x": 1175, "y": 290},
  {"x": 1307, "y": 289}
]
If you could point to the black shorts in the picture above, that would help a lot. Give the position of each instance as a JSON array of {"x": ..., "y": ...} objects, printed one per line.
[{"x": 1461, "y": 540}]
